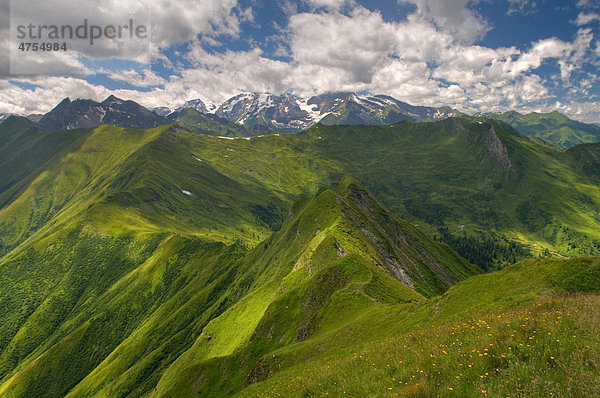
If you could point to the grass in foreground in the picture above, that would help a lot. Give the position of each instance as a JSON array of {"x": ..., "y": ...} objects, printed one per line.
[{"x": 549, "y": 348}]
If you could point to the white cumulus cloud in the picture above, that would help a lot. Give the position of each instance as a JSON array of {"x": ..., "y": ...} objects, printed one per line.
[
  {"x": 429, "y": 58},
  {"x": 586, "y": 18}
]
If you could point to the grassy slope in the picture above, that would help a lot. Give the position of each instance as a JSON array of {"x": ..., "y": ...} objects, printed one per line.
[
  {"x": 118, "y": 278},
  {"x": 588, "y": 157},
  {"x": 340, "y": 276},
  {"x": 122, "y": 310},
  {"x": 512, "y": 333},
  {"x": 554, "y": 127},
  {"x": 71, "y": 183},
  {"x": 25, "y": 147},
  {"x": 158, "y": 301},
  {"x": 198, "y": 122},
  {"x": 433, "y": 174}
]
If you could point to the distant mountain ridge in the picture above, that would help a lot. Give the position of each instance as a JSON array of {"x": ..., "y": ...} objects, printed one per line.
[
  {"x": 289, "y": 113},
  {"x": 262, "y": 113},
  {"x": 257, "y": 113},
  {"x": 83, "y": 113},
  {"x": 553, "y": 126},
  {"x": 206, "y": 123}
]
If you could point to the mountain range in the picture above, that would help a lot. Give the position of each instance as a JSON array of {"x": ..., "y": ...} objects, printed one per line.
[
  {"x": 478, "y": 174},
  {"x": 553, "y": 126},
  {"x": 433, "y": 256},
  {"x": 289, "y": 113},
  {"x": 256, "y": 114},
  {"x": 87, "y": 113}
]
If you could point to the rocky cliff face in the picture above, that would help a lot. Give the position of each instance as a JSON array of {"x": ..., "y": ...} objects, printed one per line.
[{"x": 497, "y": 150}]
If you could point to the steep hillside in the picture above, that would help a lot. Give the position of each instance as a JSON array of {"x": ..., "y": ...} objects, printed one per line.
[
  {"x": 79, "y": 171},
  {"x": 588, "y": 157},
  {"x": 132, "y": 310},
  {"x": 528, "y": 330},
  {"x": 25, "y": 146},
  {"x": 163, "y": 262},
  {"x": 475, "y": 178}
]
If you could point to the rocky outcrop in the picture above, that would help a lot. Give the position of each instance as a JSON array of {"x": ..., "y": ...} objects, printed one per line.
[{"x": 497, "y": 150}]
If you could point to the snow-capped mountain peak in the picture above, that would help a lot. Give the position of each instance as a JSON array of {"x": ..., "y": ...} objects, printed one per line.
[{"x": 257, "y": 112}]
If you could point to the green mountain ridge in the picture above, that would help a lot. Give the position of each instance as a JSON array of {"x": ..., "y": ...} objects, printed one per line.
[
  {"x": 256, "y": 114},
  {"x": 588, "y": 156},
  {"x": 527, "y": 330},
  {"x": 206, "y": 123},
  {"x": 325, "y": 245},
  {"x": 26, "y": 146},
  {"x": 553, "y": 126},
  {"x": 163, "y": 262},
  {"x": 213, "y": 321},
  {"x": 474, "y": 178}
]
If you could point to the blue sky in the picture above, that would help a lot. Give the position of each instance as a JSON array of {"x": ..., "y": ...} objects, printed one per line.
[{"x": 485, "y": 55}]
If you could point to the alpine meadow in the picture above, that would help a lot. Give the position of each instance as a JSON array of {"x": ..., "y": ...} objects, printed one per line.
[{"x": 243, "y": 205}]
